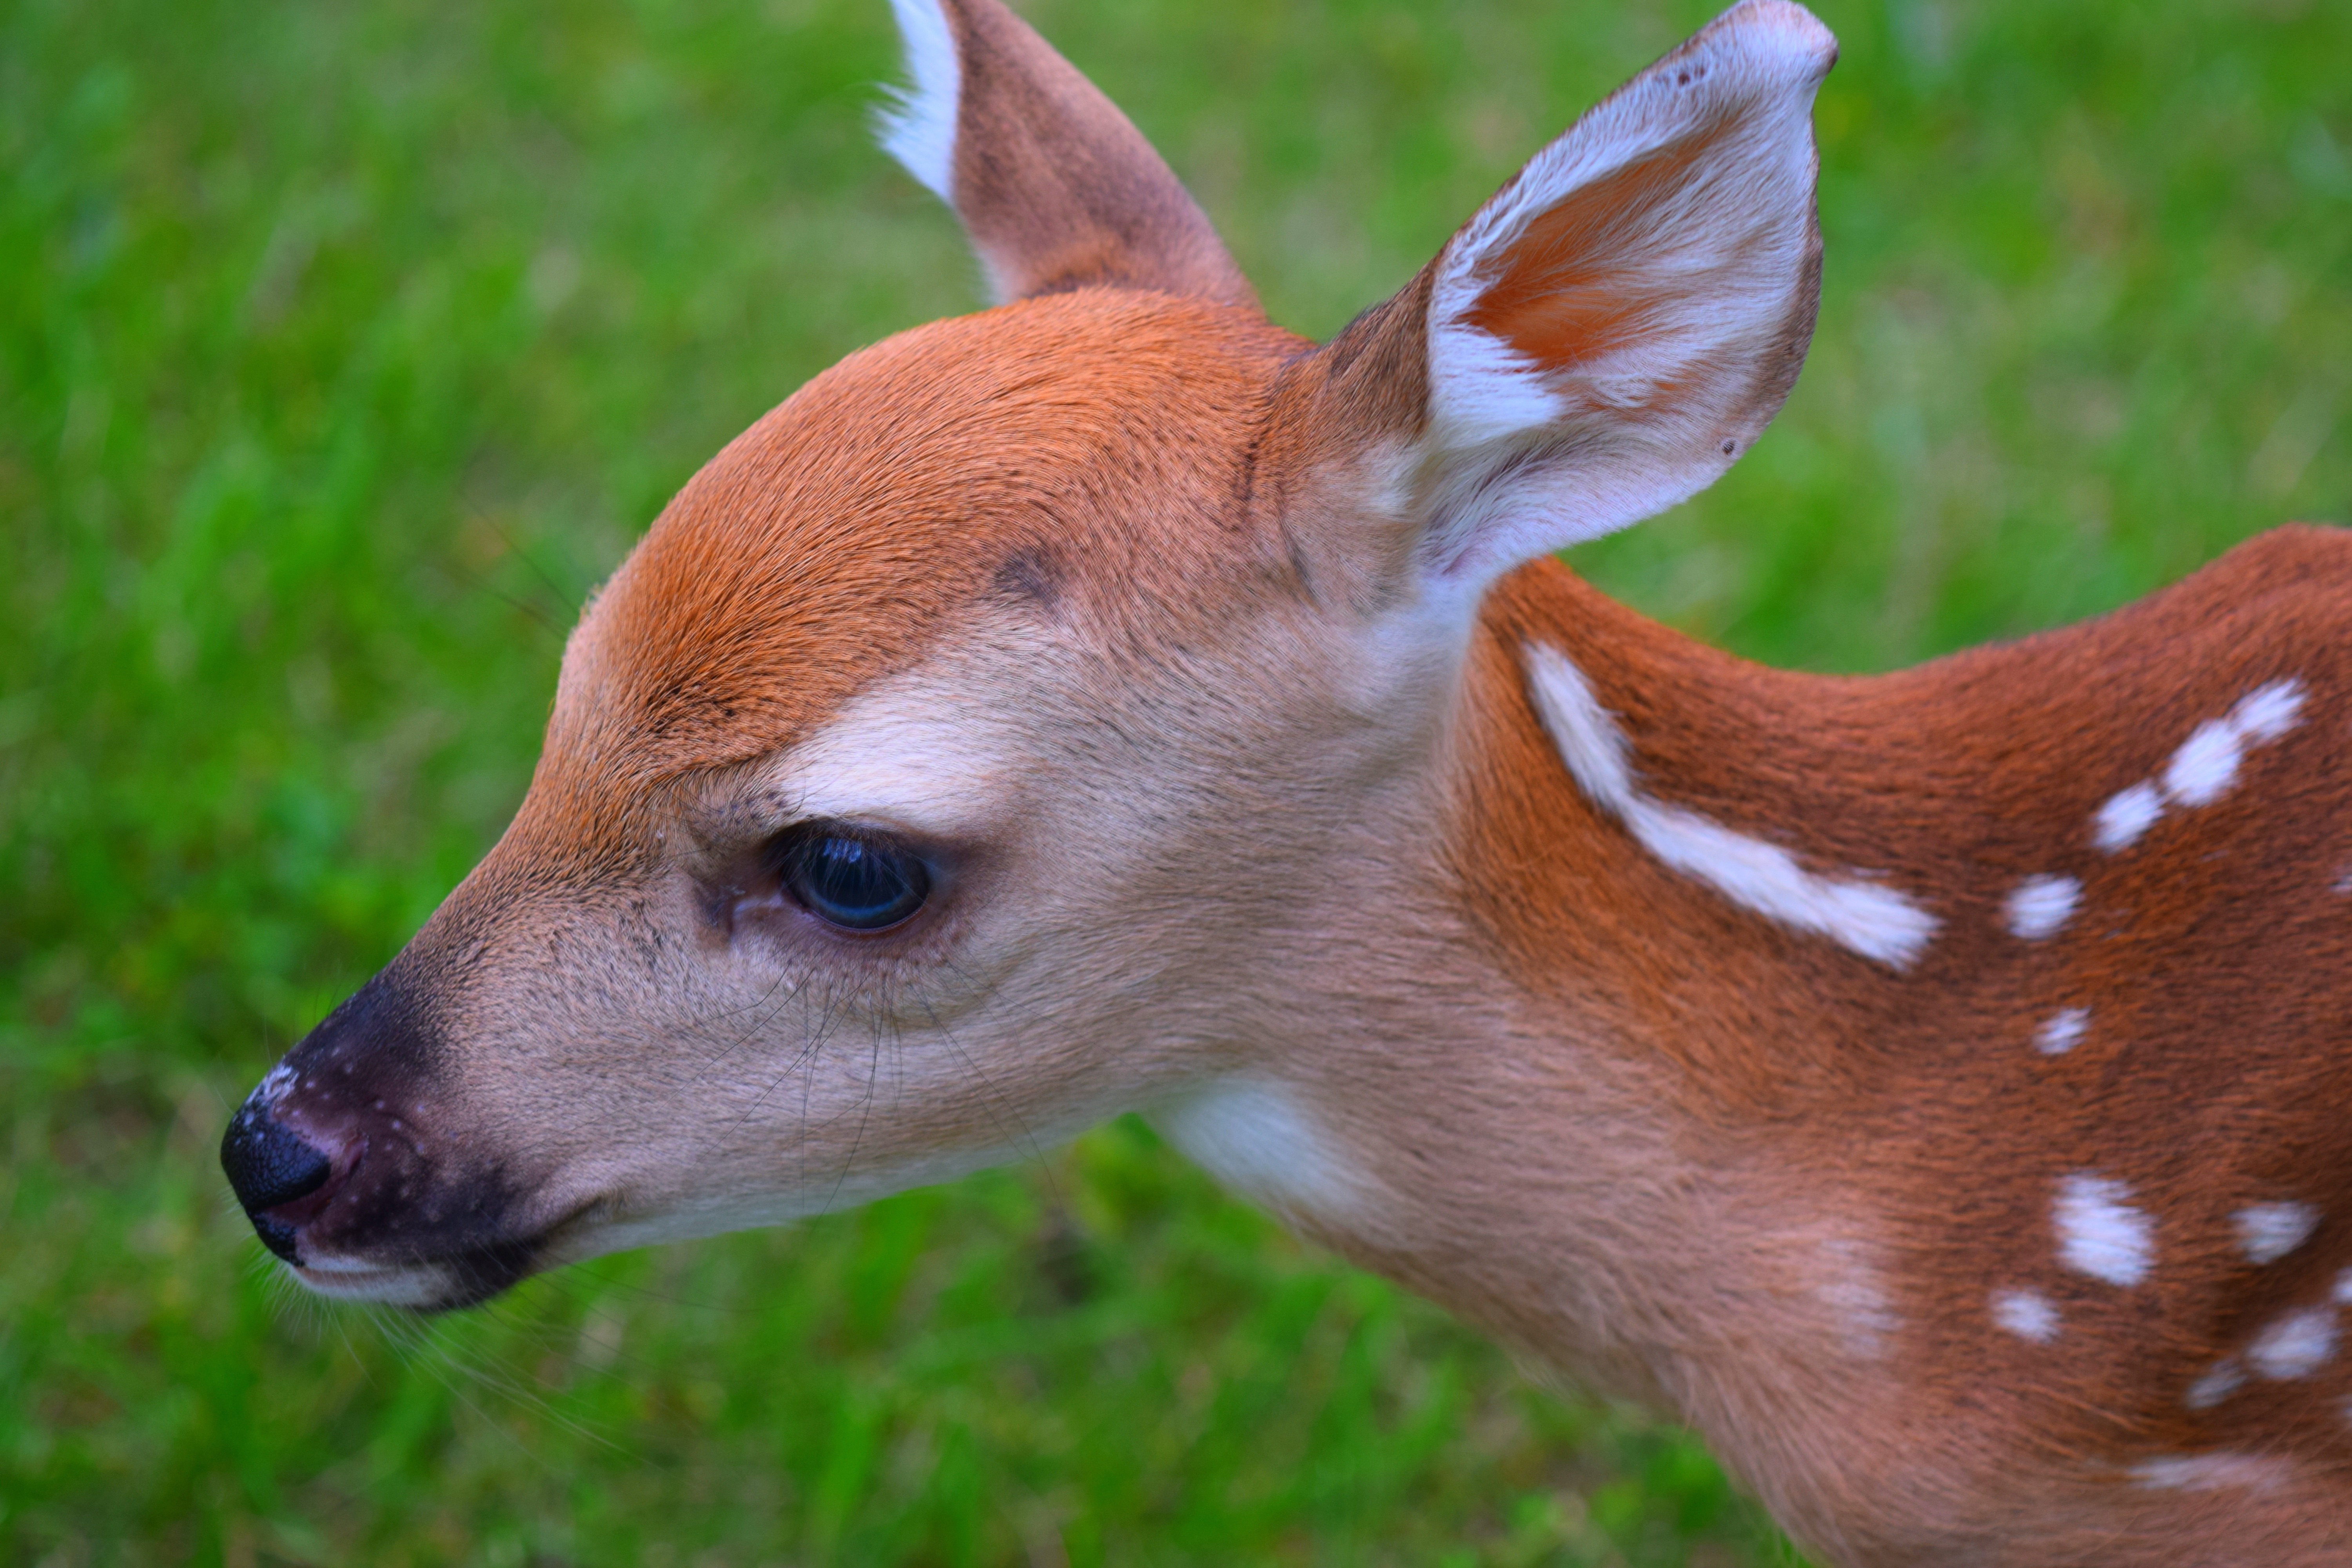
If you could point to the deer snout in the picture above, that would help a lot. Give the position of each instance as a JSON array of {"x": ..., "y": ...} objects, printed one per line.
[
  {"x": 357, "y": 1166},
  {"x": 273, "y": 1169}
]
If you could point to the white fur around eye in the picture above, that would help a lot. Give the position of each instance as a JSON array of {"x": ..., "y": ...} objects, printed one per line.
[{"x": 921, "y": 752}]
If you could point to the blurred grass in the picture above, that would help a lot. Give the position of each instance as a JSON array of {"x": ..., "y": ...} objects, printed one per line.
[{"x": 343, "y": 345}]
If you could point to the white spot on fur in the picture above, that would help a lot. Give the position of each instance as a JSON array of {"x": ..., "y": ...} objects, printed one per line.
[
  {"x": 2062, "y": 1031},
  {"x": 276, "y": 1085},
  {"x": 2028, "y": 1314},
  {"x": 2268, "y": 1232},
  {"x": 1255, "y": 1139},
  {"x": 2220, "y": 1380},
  {"x": 2207, "y": 763},
  {"x": 2099, "y": 1233},
  {"x": 921, "y": 129},
  {"x": 2204, "y": 767},
  {"x": 2040, "y": 905},
  {"x": 2269, "y": 712},
  {"x": 1850, "y": 1287},
  {"x": 2343, "y": 1291},
  {"x": 2294, "y": 1346},
  {"x": 1873, "y": 920},
  {"x": 2127, "y": 813},
  {"x": 2210, "y": 1472}
]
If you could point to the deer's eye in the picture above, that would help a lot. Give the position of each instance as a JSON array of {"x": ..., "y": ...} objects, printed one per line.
[{"x": 858, "y": 881}]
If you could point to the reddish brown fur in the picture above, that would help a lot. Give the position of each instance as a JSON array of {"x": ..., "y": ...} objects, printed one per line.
[
  {"x": 1058, "y": 190},
  {"x": 1550, "y": 300},
  {"x": 1113, "y": 589},
  {"x": 2215, "y": 956},
  {"x": 769, "y": 590}
]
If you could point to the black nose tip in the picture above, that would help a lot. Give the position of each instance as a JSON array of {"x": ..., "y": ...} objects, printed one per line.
[{"x": 269, "y": 1164}]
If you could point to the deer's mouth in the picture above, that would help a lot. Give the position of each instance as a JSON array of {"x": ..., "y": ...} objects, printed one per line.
[
  {"x": 433, "y": 1283},
  {"x": 393, "y": 1285},
  {"x": 356, "y": 1209}
]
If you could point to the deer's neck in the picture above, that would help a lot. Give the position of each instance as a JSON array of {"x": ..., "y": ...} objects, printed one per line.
[
  {"x": 1740, "y": 871},
  {"x": 1759, "y": 1026},
  {"x": 1550, "y": 1080},
  {"x": 1808, "y": 1053},
  {"x": 1612, "y": 1089}
]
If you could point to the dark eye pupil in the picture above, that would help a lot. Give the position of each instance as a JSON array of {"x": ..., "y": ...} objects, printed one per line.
[{"x": 855, "y": 882}]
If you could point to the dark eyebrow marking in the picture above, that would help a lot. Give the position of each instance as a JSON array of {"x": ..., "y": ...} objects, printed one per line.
[{"x": 1026, "y": 574}]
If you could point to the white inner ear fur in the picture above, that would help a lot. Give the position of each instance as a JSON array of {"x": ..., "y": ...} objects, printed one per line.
[
  {"x": 1525, "y": 457},
  {"x": 920, "y": 128}
]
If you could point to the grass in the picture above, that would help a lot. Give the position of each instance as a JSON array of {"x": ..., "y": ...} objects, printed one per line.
[{"x": 343, "y": 345}]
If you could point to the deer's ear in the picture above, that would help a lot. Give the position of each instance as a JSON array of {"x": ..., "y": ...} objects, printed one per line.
[
  {"x": 1055, "y": 186},
  {"x": 1610, "y": 332}
]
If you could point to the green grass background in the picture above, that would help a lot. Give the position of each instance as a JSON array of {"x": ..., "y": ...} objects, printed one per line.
[{"x": 343, "y": 343}]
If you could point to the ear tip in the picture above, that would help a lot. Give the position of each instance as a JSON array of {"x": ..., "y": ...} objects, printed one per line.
[
  {"x": 1782, "y": 31},
  {"x": 917, "y": 123}
]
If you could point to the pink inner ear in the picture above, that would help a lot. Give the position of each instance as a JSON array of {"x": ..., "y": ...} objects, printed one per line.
[{"x": 1579, "y": 280}]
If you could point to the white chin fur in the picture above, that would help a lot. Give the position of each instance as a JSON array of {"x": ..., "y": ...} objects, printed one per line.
[{"x": 341, "y": 1280}]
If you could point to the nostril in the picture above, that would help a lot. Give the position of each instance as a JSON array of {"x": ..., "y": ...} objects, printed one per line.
[
  {"x": 268, "y": 1164},
  {"x": 277, "y": 1236}
]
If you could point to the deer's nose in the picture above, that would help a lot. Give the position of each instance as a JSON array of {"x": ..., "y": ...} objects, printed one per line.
[{"x": 270, "y": 1164}]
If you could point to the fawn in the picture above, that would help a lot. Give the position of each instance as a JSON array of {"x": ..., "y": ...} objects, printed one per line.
[{"x": 1933, "y": 1086}]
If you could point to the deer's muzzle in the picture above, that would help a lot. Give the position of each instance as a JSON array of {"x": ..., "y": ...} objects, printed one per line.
[{"x": 347, "y": 1164}]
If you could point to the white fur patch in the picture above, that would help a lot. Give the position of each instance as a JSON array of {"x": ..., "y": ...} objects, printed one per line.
[
  {"x": 2220, "y": 1380},
  {"x": 2269, "y": 712},
  {"x": 1257, "y": 1140},
  {"x": 2210, "y": 1472},
  {"x": 1703, "y": 267},
  {"x": 2205, "y": 766},
  {"x": 2268, "y": 1232},
  {"x": 1870, "y": 919},
  {"x": 1494, "y": 390},
  {"x": 2099, "y": 1233},
  {"x": 2028, "y": 1314},
  {"x": 2062, "y": 1031},
  {"x": 2040, "y": 905},
  {"x": 406, "y": 1285},
  {"x": 913, "y": 751},
  {"x": 1850, "y": 1289},
  {"x": 919, "y": 130},
  {"x": 2127, "y": 813},
  {"x": 2296, "y": 1345}
]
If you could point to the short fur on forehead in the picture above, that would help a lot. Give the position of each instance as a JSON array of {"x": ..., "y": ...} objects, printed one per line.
[{"x": 835, "y": 539}]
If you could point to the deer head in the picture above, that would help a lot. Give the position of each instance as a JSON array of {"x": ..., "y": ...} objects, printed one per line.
[{"x": 1057, "y": 711}]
